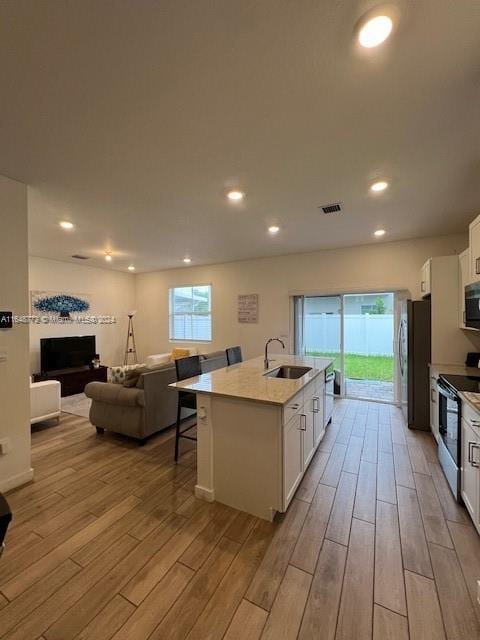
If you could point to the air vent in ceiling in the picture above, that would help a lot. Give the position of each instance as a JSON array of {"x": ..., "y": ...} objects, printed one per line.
[
  {"x": 79, "y": 257},
  {"x": 331, "y": 208}
]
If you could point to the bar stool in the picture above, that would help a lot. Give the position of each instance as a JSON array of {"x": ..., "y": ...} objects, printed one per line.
[
  {"x": 234, "y": 355},
  {"x": 186, "y": 368}
]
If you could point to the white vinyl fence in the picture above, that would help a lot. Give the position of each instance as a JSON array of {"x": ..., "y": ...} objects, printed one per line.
[{"x": 365, "y": 335}]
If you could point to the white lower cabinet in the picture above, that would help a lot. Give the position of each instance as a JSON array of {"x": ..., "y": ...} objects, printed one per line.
[
  {"x": 302, "y": 432},
  {"x": 319, "y": 412},
  {"x": 470, "y": 471},
  {"x": 308, "y": 434},
  {"x": 293, "y": 463}
]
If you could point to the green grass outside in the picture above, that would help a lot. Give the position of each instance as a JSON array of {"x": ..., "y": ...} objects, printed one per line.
[{"x": 362, "y": 367}]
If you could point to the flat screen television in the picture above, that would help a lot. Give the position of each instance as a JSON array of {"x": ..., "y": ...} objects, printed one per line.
[{"x": 66, "y": 353}]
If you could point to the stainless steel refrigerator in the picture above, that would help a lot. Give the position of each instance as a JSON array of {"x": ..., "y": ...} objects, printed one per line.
[{"x": 414, "y": 354}]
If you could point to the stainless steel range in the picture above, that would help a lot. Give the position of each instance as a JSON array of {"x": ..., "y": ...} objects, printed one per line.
[{"x": 450, "y": 425}]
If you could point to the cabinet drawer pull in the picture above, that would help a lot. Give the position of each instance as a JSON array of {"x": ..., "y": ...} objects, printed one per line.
[
  {"x": 432, "y": 395},
  {"x": 316, "y": 408},
  {"x": 293, "y": 406},
  {"x": 471, "y": 459},
  {"x": 476, "y": 423},
  {"x": 422, "y": 286},
  {"x": 304, "y": 421},
  {"x": 477, "y": 266}
]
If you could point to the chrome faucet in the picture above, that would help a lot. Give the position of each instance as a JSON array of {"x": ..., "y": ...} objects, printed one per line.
[{"x": 265, "y": 362}]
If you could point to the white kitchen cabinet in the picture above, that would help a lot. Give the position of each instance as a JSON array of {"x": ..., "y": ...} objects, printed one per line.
[
  {"x": 293, "y": 460},
  {"x": 318, "y": 418},
  {"x": 470, "y": 471},
  {"x": 463, "y": 280},
  {"x": 434, "y": 417},
  {"x": 474, "y": 249},
  {"x": 426, "y": 279},
  {"x": 308, "y": 432}
]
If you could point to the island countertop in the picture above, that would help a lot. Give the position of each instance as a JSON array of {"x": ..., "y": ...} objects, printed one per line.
[{"x": 246, "y": 380}]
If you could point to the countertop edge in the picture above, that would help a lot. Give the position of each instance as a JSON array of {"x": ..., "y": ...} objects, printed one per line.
[
  {"x": 288, "y": 394},
  {"x": 273, "y": 403}
]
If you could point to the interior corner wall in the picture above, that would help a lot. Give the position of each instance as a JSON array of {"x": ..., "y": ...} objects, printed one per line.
[
  {"x": 15, "y": 463},
  {"x": 111, "y": 293},
  {"x": 387, "y": 266}
]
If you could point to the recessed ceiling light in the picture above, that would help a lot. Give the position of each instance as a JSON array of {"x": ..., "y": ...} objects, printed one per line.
[
  {"x": 375, "y": 31},
  {"x": 379, "y": 233},
  {"x": 273, "y": 229},
  {"x": 235, "y": 195},
  {"x": 381, "y": 185},
  {"x": 108, "y": 257},
  {"x": 65, "y": 224},
  {"x": 187, "y": 260},
  {"x": 131, "y": 268}
]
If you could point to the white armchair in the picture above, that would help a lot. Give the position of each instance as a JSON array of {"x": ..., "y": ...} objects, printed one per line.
[{"x": 44, "y": 401}]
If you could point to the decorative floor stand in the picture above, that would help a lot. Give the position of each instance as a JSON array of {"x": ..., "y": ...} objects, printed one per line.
[{"x": 130, "y": 349}]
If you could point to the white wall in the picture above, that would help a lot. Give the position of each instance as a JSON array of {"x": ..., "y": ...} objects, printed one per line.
[
  {"x": 14, "y": 391},
  {"x": 111, "y": 293},
  {"x": 382, "y": 266}
]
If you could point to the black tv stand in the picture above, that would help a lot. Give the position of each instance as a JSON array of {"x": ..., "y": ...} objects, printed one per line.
[{"x": 74, "y": 380}]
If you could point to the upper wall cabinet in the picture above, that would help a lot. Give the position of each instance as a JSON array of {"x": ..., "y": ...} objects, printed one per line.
[
  {"x": 426, "y": 279},
  {"x": 474, "y": 246},
  {"x": 463, "y": 280}
]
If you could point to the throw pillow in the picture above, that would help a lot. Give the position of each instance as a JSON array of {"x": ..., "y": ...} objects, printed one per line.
[
  {"x": 132, "y": 375},
  {"x": 179, "y": 353},
  {"x": 117, "y": 374}
]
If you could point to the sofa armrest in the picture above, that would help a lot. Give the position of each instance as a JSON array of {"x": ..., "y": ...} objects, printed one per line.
[{"x": 116, "y": 394}]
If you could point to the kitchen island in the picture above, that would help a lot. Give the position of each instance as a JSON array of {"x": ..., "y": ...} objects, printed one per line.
[{"x": 258, "y": 431}]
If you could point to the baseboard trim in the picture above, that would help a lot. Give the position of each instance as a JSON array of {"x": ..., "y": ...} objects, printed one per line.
[
  {"x": 204, "y": 494},
  {"x": 16, "y": 481}
]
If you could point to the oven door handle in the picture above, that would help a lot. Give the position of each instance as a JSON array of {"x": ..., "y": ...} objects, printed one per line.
[{"x": 446, "y": 392}]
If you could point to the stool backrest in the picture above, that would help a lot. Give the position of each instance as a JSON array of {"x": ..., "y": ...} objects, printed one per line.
[
  {"x": 234, "y": 355},
  {"x": 188, "y": 367}
]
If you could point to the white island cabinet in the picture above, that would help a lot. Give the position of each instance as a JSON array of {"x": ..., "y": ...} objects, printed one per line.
[
  {"x": 257, "y": 433},
  {"x": 470, "y": 461}
]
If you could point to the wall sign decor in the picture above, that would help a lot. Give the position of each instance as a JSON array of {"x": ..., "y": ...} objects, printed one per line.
[
  {"x": 248, "y": 307},
  {"x": 59, "y": 304},
  {"x": 6, "y": 319}
]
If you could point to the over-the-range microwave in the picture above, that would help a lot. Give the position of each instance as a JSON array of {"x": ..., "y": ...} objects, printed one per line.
[{"x": 472, "y": 305}]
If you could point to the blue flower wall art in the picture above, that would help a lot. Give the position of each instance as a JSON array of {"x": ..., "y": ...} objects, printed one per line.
[{"x": 60, "y": 304}]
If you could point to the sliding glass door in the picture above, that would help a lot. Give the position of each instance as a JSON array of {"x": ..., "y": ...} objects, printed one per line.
[
  {"x": 357, "y": 331},
  {"x": 368, "y": 345},
  {"x": 318, "y": 327}
]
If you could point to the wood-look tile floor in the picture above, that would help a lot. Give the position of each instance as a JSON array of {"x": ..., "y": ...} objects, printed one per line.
[{"x": 110, "y": 542}]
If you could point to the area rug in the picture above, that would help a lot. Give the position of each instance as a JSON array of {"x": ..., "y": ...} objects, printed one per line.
[{"x": 78, "y": 405}]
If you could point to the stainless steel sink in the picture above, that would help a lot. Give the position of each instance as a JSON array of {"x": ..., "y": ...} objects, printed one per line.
[{"x": 289, "y": 372}]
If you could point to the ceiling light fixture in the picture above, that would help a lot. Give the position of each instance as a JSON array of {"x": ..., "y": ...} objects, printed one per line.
[
  {"x": 379, "y": 233},
  {"x": 131, "y": 268},
  {"x": 65, "y": 224},
  {"x": 108, "y": 257},
  {"x": 273, "y": 229},
  {"x": 375, "y": 31},
  {"x": 187, "y": 260},
  {"x": 235, "y": 195},
  {"x": 379, "y": 186}
]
